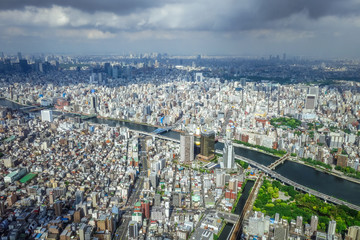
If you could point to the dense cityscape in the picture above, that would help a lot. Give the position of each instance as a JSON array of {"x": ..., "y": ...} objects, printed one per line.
[{"x": 156, "y": 146}]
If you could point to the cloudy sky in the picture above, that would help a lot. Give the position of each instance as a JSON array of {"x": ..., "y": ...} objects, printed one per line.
[{"x": 320, "y": 28}]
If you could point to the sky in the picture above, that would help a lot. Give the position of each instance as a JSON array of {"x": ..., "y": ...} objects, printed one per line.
[{"x": 318, "y": 28}]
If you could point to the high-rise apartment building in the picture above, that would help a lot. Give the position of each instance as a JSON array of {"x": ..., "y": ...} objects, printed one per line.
[
  {"x": 314, "y": 223},
  {"x": 229, "y": 155}
]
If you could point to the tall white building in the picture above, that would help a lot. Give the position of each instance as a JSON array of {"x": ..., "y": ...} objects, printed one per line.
[
  {"x": 331, "y": 228},
  {"x": 46, "y": 115},
  {"x": 186, "y": 147},
  {"x": 229, "y": 155}
]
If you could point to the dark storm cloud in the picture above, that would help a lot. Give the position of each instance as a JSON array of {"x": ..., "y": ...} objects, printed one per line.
[
  {"x": 279, "y": 9},
  {"x": 276, "y": 14},
  {"x": 116, "y": 6}
]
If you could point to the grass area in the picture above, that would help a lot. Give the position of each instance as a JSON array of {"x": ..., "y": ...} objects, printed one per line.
[
  {"x": 316, "y": 163},
  {"x": 278, "y": 153},
  {"x": 284, "y": 121},
  {"x": 236, "y": 201},
  {"x": 303, "y": 205}
]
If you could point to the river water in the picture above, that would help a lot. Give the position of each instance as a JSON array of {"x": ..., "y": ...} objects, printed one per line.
[{"x": 307, "y": 176}]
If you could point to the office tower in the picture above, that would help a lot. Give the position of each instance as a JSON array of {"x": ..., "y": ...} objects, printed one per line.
[
  {"x": 46, "y": 115},
  {"x": 331, "y": 228},
  {"x": 199, "y": 77},
  {"x": 133, "y": 230},
  {"x": 243, "y": 82},
  {"x": 2, "y": 208},
  {"x": 157, "y": 199},
  {"x": 145, "y": 207},
  {"x": 107, "y": 69},
  {"x": 310, "y": 102},
  {"x": 58, "y": 208},
  {"x": 19, "y": 56},
  {"x": 24, "y": 66},
  {"x": 207, "y": 147},
  {"x": 314, "y": 223},
  {"x": 94, "y": 198},
  {"x": 153, "y": 179},
  {"x": 77, "y": 216},
  {"x": 177, "y": 199},
  {"x": 82, "y": 231},
  {"x": 220, "y": 178},
  {"x": 51, "y": 198},
  {"x": 79, "y": 197},
  {"x": 186, "y": 147},
  {"x": 299, "y": 222},
  {"x": 93, "y": 103},
  {"x": 228, "y": 156},
  {"x": 100, "y": 78},
  {"x": 115, "y": 72}
]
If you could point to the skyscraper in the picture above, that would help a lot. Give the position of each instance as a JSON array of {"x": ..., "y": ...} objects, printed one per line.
[
  {"x": 145, "y": 208},
  {"x": 331, "y": 228},
  {"x": 93, "y": 103},
  {"x": 133, "y": 230},
  {"x": 207, "y": 147},
  {"x": 310, "y": 102},
  {"x": 228, "y": 156},
  {"x": 153, "y": 179},
  {"x": 186, "y": 147},
  {"x": 19, "y": 56},
  {"x": 79, "y": 197},
  {"x": 58, "y": 208}
]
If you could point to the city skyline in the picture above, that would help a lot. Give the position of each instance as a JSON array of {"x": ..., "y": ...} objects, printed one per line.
[{"x": 303, "y": 28}]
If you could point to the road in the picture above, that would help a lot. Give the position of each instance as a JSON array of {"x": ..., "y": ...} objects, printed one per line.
[{"x": 121, "y": 231}]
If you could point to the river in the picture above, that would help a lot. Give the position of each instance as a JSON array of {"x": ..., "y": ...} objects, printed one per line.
[{"x": 309, "y": 177}]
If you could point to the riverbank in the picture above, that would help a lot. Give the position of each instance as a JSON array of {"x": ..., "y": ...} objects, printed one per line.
[
  {"x": 10, "y": 100},
  {"x": 252, "y": 149}
]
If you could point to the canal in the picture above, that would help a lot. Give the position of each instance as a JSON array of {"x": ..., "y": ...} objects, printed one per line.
[
  {"x": 322, "y": 182},
  {"x": 226, "y": 231},
  {"x": 243, "y": 198}
]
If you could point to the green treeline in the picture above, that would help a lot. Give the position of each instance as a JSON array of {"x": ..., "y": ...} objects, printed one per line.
[{"x": 283, "y": 121}]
